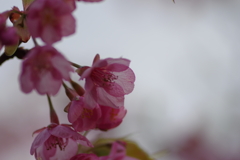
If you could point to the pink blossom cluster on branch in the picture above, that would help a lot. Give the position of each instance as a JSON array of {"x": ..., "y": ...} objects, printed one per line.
[{"x": 99, "y": 105}]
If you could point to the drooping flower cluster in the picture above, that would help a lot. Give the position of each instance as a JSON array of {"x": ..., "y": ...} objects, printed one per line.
[{"x": 97, "y": 105}]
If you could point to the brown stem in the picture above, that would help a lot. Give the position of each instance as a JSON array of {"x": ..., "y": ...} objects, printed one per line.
[
  {"x": 20, "y": 54},
  {"x": 53, "y": 114}
]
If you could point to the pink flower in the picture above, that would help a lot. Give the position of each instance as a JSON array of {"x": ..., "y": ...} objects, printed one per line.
[
  {"x": 197, "y": 147},
  {"x": 56, "y": 140},
  {"x": 111, "y": 117},
  {"x": 118, "y": 152},
  {"x": 85, "y": 156},
  {"x": 107, "y": 81},
  {"x": 43, "y": 70},
  {"x": 82, "y": 118},
  {"x": 8, "y": 35},
  {"x": 51, "y": 19}
]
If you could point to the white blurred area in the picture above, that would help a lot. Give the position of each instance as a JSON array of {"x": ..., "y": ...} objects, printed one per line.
[{"x": 187, "y": 64}]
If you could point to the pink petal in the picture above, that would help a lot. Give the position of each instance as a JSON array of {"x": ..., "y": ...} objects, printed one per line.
[
  {"x": 90, "y": 95},
  {"x": 44, "y": 154},
  {"x": 84, "y": 156},
  {"x": 111, "y": 117},
  {"x": 9, "y": 36},
  {"x": 48, "y": 153},
  {"x": 96, "y": 58},
  {"x": 39, "y": 140},
  {"x": 126, "y": 80},
  {"x": 65, "y": 132},
  {"x": 59, "y": 7},
  {"x": 62, "y": 66},
  {"x": 38, "y": 5},
  {"x": 25, "y": 79},
  {"x": 47, "y": 84},
  {"x": 75, "y": 109},
  {"x": 90, "y": 100},
  {"x": 117, "y": 64},
  {"x": 33, "y": 27},
  {"x": 106, "y": 99},
  {"x": 85, "y": 72},
  {"x": 117, "y": 67},
  {"x": 69, "y": 151},
  {"x": 87, "y": 120},
  {"x": 100, "y": 63},
  {"x": 68, "y": 25},
  {"x": 71, "y": 4},
  {"x": 89, "y": 85},
  {"x": 62, "y": 131},
  {"x": 50, "y": 34},
  {"x": 115, "y": 90},
  {"x": 118, "y": 150}
]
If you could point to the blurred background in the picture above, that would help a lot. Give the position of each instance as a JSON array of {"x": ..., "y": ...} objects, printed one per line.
[{"x": 186, "y": 60}]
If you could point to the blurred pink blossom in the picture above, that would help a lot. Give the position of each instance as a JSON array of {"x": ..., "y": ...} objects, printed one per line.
[
  {"x": 56, "y": 137},
  {"x": 43, "y": 70},
  {"x": 51, "y": 19},
  {"x": 118, "y": 152}
]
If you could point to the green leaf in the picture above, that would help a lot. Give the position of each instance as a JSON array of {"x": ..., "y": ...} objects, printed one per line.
[
  {"x": 10, "y": 50},
  {"x": 103, "y": 147},
  {"x": 26, "y": 4},
  {"x": 133, "y": 150}
]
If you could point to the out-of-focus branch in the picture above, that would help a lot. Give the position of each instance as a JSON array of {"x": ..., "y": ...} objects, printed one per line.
[{"x": 20, "y": 54}]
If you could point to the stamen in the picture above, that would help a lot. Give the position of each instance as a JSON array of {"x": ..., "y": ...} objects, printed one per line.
[
  {"x": 102, "y": 77},
  {"x": 56, "y": 141}
]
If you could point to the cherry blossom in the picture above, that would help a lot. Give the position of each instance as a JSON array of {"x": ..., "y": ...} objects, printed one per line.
[
  {"x": 107, "y": 81},
  {"x": 8, "y": 35},
  {"x": 43, "y": 70},
  {"x": 118, "y": 152},
  {"x": 82, "y": 118},
  {"x": 85, "y": 156},
  {"x": 51, "y": 19},
  {"x": 111, "y": 117},
  {"x": 56, "y": 139}
]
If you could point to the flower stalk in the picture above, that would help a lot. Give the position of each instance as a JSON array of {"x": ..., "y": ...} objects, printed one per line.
[{"x": 53, "y": 114}]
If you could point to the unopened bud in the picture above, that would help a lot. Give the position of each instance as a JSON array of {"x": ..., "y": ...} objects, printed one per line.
[
  {"x": 67, "y": 107},
  {"x": 69, "y": 92},
  {"x": 78, "y": 88}
]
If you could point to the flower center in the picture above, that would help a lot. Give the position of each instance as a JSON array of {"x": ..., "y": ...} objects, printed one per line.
[
  {"x": 49, "y": 18},
  {"x": 54, "y": 141},
  {"x": 103, "y": 78},
  {"x": 87, "y": 113}
]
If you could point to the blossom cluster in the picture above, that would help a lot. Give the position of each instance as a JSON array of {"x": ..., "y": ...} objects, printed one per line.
[{"x": 98, "y": 105}]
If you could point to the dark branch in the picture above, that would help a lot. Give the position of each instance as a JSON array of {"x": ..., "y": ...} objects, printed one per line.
[{"x": 20, "y": 54}]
